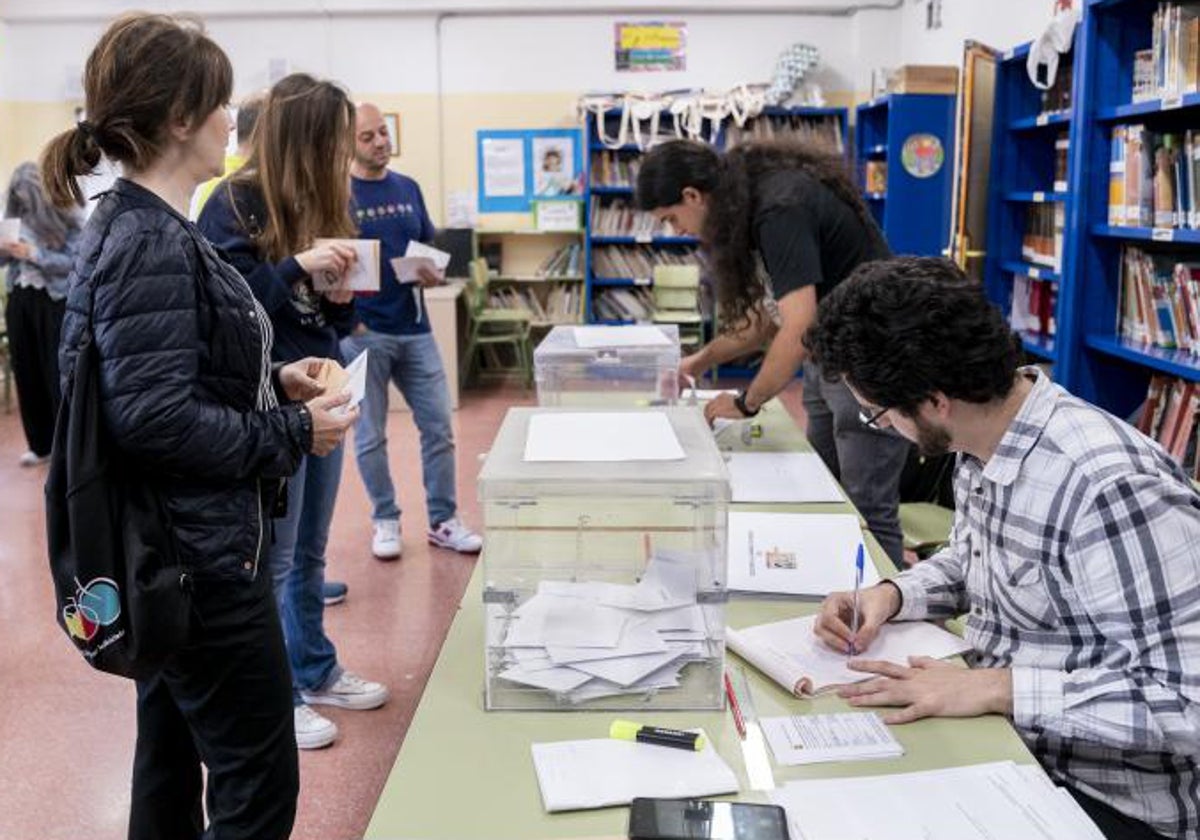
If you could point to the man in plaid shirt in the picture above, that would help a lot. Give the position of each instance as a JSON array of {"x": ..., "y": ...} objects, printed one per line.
[{"x": 1075, "y": 552}]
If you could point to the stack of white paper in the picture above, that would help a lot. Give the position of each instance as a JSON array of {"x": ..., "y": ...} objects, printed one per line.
[
  {"x": 782, "y": 477},
  {"x": 601, "y": 772},
  {"x": 590, "y": 640},
  {"x": 977, "y": 802},
  {"x": 590, "y": 436},
  {"x": 792, "y": 655},
  {"x": 812, "y": 739},
  {"x": 795, "y": 553},
  {"x": 603, "y": 337}
]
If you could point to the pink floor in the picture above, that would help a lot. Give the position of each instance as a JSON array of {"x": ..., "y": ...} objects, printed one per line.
[{"x": 67, "y": 733}]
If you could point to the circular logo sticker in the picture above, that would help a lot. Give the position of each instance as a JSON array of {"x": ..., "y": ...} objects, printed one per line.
[{"x": 922, "y": 155}]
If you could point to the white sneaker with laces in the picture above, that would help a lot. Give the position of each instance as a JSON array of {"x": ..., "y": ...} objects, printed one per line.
[
  {"x": 32, "y": 459},
  {"x": 385, "y": 544},
  {"x": 456, "y": 536},
  {"x": 313, "y": 730},
  {"x": 350, "y": 691}
]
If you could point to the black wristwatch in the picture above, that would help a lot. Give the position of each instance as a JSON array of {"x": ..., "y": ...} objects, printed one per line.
[{"x": 739, "y": 403}]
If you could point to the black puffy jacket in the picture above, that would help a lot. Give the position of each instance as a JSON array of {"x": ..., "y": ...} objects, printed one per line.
[{"x": 181, "y": 359}]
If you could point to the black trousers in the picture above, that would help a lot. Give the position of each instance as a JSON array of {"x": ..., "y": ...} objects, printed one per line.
[
  {"x": 224, "y": 701},
  {"x": 34, "y": 324},
  {"x": 1112, "y": 823}
]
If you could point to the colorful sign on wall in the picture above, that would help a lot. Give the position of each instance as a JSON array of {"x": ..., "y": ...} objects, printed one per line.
[{"x": 650, "y": 46}]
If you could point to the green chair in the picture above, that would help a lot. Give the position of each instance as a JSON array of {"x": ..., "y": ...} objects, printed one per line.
[
  {"x": 490, "y": 328},
  {"x": 926, "y": 527}
]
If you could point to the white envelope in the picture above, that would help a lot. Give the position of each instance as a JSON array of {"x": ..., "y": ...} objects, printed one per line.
[
  {"x": 440, "y": 258},
  {"x": 10, "y": 230},
  {"x": 407, "y": 268},
  {"x": 356, "y": 382},
  {"x": 363, "y": 276}
]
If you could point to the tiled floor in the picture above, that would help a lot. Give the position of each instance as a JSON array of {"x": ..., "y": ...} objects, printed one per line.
[{"x": 66, "y": 732}]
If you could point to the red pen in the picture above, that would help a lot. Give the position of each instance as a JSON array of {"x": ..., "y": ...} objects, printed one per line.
[{"x": 738, "y": 721}]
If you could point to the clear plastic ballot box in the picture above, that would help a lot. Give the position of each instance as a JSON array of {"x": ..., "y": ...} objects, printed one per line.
[
  {"x": 608, "y": 365},
  {"x": 604, "y": 580}
]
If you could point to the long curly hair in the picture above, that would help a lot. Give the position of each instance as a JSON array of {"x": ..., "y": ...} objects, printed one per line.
[{"x": 738, "y": 185}]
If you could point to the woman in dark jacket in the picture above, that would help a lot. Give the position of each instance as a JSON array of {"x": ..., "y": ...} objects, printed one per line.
[
  {"x": 294, "y": 189},
  {"x": 191, "y": 399}
]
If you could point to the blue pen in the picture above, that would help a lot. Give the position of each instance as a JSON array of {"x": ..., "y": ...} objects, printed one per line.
[{"x": 858, "y": 577}]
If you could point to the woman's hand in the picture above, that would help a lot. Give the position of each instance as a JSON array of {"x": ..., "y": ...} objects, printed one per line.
[
  {"x": 300, "y": 380},
  {"x": 332, "y": 258},
  {"x": 20, "y": 250},
  {"x": 330, "y": 420}
]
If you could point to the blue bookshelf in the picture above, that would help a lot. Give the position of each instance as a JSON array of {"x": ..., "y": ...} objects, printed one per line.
[
  {"x": 1103, "y": 367},
  {"x": 912, "y": 134},
  {"x": 619, "y": 187},
  {"x": 1024, "y": 181}
]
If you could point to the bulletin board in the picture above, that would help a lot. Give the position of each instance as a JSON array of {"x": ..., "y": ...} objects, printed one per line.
[{"x": 518, "y": 166}]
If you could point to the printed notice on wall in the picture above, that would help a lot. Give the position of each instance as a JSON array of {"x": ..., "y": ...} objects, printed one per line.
[
  {"x": 503, "y": 167},
  {"x": 650, "y": 46}
]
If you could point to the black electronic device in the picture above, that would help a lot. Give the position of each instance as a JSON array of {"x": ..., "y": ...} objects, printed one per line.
[{"x": 685, "y": 819}]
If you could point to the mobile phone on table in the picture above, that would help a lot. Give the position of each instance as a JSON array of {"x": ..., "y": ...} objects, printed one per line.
[{"x": 685, "y": 819}]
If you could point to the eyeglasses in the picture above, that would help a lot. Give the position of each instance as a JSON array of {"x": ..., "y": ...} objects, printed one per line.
[{"x": 871, "y": 420}]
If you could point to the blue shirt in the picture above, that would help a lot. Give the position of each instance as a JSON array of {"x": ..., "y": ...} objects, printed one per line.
[{"x": 391, "y": 210}]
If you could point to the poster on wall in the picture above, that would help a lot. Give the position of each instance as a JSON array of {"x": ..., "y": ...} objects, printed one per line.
[
  {"x": 653, "y": 46},
  {"x": 517, "y": 166}
]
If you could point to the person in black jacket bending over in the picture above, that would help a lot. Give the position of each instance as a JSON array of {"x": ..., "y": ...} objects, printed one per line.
[
  {"x": 782, "y": 224},
  {"x": 190, "y": 396},
  {"x": 295, "y": 188}
]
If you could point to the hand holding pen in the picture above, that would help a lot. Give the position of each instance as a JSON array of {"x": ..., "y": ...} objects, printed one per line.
[{"x": 837, "y": 625}]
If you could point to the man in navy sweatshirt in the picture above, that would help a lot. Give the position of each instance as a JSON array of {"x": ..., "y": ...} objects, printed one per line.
[{"x": 393, "y": 325}]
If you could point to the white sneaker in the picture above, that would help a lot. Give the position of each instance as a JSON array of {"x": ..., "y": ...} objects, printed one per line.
[
  {"x": 453, "y": 534},
  {"x": 349, "y": 692},
  {"x": 385, "y": 545},
  {"x": 32, "y": 459},
  {"x": 313, "y": 730}
]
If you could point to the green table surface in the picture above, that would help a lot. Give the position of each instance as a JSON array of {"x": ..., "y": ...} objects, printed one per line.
[{"x": 465, "y": 773}]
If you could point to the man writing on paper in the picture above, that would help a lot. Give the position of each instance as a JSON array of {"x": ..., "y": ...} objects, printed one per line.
[
  {"x": 1075, "y": 552},
  {"x": 389, "y": 207},
  {"x": 792, "y": 210}
]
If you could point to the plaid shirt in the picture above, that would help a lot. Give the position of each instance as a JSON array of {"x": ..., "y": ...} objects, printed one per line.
[{"x": 1076, "y": 555}]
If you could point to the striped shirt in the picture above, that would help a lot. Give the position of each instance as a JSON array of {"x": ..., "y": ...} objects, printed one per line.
[{"x": 1076, "y": 555}]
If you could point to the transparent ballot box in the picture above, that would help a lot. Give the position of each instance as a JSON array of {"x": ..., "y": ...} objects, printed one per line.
[
  {"x": 608, "y": 365},
  {"x": 604, "y": 580}
]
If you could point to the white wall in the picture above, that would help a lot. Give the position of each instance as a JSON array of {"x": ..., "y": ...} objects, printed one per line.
[{"x": 997, "y": 23}]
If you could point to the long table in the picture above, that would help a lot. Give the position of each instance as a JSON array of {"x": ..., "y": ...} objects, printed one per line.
[{"x": 465, "y": 773}]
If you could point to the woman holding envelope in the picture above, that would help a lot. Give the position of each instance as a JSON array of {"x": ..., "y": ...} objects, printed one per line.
[{"x": 294, "y": 190}]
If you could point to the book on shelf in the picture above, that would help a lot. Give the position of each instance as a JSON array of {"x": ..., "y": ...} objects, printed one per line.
[
  {"x": 637, "y": 261},
  {"x": 1033, "y": 306},
  {"x": 561, "y": 303},
  {"x": 1043, "y": 240},
  {"x": 1171, "y": 67},
  {"x": 618, "y": 217},
  {"x": 1154, "y": 178},
  {"x": 1169, "y": 416},
  {"x": 1057, "y": 98},
  {"x": 567, "y": 261},
  {"x": 613, "y": 169},
  {"x": 1061, "y": 147},
  {"x": 626, "y": 304},
  {"x": 875, "y": 176},
  {"x": 1159, "y": 301},
  {"x": 822, "y": 131}
]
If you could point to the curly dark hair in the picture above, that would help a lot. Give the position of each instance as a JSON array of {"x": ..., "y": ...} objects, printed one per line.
[
  {"x": 737, "y": 186},
  {"x": 899, "y": 330}
]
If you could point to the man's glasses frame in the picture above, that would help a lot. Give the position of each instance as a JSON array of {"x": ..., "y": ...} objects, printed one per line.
[{"x": 871, "y": 420}]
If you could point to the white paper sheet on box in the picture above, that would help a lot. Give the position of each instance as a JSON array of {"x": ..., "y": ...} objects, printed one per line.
[{"x": 602, "y": 437}]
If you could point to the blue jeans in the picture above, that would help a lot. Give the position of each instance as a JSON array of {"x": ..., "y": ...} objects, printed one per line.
[
  {"x": 866, "y": 461},
  {"x": 297, "y": 563},
  {"x": 414, "y": 364}
]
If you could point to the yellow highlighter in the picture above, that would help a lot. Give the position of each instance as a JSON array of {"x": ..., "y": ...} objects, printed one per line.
[{"x": 627, "y": 730}]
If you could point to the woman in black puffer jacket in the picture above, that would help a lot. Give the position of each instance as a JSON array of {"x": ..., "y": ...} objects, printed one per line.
[{"x": 191, "y": 399}]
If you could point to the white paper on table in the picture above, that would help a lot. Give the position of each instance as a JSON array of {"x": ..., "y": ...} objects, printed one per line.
[
  {"x": 550, "y": 679},
  {"x": 977, "y": 802},
  {"x": 356, "y": 382},
  {"x": 791, "y": 654},
  {"x": 795, "y": 553},
  {"x": 363, "y": 276},
  {"x": 441, "y": 259},
  {"x": 574, "y": 623},
  {"x": 10, "y": 230},
  {"x": 782, "y": 477},
  {"x": 812, "y": 739},
  {"x": 601, "y": 337},
  {"x": 600, "y": 772},
  {"x": 408, "y": 268},
  {"x": 602, "y": 437}
]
